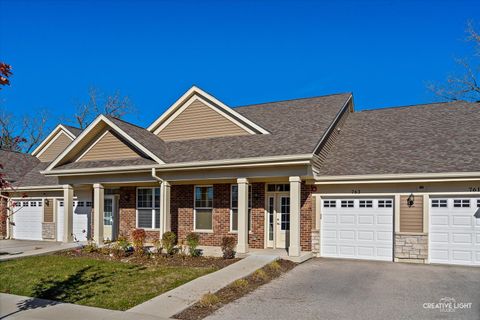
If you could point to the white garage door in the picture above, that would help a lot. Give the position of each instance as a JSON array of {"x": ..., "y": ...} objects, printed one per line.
[
  {"x": 357, "y": 229},
  {"x": 454, "y": 231},
  {"x": 28, "y": 219},
  {"x": 81, "y": 219}
]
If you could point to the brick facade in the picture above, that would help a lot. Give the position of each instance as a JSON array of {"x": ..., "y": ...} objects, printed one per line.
[
  {"x": 3, "y": 218},
  {"x": 182, "y": 215}
]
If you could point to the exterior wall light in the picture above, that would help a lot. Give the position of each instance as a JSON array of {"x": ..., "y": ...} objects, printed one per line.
[{"x": 410, "y": 200}]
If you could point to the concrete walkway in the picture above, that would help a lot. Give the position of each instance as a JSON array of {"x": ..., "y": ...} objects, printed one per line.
[
  {"x": 23, "y": 308},
  {"x": 172, "y": 302},
  {"x": 16, "y": 249}
]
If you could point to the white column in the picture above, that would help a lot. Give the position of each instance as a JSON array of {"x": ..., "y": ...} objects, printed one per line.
[
  {"x": 98, "y": 207},
  {"x": 68, "y": 213},
  {"x": 295, "y": 205},
  {"x": 165, "y": 220},
  {"x": 242, "y": 244}
]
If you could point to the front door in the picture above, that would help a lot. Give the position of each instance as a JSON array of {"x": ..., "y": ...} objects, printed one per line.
[
  {"x": 278, "y": 214},
  {"x": 109, "y": 218},
  {"x": 283, "y": 221}
]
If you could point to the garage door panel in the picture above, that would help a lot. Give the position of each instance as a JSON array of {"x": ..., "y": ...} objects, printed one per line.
[
  {"x": 28, "y": 220},
  {"x": 361, "y": 233},
  {"x": 455, "y": 233}
]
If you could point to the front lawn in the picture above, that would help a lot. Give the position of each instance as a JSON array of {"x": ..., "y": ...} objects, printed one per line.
[{"x": 93, "y": 282}]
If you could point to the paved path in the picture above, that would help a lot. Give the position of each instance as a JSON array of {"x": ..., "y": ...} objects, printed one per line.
[
  {"x": 25, "y": 308},
  {"x": 345, "y": 289},
  {"x": 24, "y": 248},
  {"x": 178, "y": 299}
]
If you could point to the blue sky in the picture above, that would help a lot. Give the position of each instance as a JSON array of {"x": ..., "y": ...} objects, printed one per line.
[{"x": 242, "y": 52}]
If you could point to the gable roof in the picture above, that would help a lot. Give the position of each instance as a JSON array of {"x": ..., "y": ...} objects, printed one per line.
[
  {"x": 197, "y": 94},
  {"x": 146, "y": 142},
  {"x": 432, "y": 138},
  {"x": 295, "y": 127},
  {"x": 69, "y": 131}
]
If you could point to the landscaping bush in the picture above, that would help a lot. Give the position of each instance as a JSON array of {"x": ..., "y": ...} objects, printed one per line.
[
  {"x": 209, "y": 299},
  {"x": 228, "y": 246},
  {"x": 169, "y": 239},
  {"x": 138, "y": 236},
  {"x": 240, "y": 284},
  {"x": 193, "y": 240},
  {"x": 158, "y": 246},
  {"x": 260, "y": 274}
]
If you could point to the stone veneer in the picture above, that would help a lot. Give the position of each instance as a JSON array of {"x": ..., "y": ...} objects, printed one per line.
[
  {"x": 48, "y": 230},
  {"x": 316, "y": 241},
  {"x": 410, "y": 247}
]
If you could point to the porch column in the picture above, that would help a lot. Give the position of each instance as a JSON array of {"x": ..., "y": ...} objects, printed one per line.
[
  {"x": 98, "y": 207},
  {"x": 242, "y": 244},
  {"x": 295, "y": 205},
  {"x": 68, "y": 213},
  {"x": 165, "y": 220}
]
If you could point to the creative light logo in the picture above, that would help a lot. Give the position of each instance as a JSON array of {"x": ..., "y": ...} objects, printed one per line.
[{"x": 447, "y": 304}]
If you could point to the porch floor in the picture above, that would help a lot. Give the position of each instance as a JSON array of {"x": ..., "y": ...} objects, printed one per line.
[{"x": 282, "y": 253}]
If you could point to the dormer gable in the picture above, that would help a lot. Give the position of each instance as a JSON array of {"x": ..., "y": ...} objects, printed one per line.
[
  {"x": 197, "y": 115},
  {"x": 54, "y": 144}
]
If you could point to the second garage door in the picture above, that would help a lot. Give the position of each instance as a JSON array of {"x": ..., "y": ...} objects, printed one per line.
[{"x": 357, "y": 229}]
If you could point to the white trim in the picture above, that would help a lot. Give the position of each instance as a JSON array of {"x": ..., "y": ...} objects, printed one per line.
[
  {"x": 153, "y": 208},
  {"x": 48, "y": 140},
  {"x": 195, "y": 208},
  {"x": 396, "y": 178},
  {"x": 90, "y": 147},
  {"x": 332, "y": 124},
  {"x": 197, "y": 93},
  {"x": 250, "y": 207},
  {"x": 90, "y": 128}
]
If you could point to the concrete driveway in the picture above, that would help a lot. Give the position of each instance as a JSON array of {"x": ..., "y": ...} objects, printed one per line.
[
  {"x": 11, "y": 249},
  {"x": 346, "y": 289}
]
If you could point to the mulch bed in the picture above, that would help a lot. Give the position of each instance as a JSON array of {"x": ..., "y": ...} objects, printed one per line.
[
  {"x": 155, "y": 259},
  {"x": 234, "y": 291}
]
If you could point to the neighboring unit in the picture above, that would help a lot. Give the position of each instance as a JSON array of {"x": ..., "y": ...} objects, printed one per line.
[{"x": 305, "y": 175}]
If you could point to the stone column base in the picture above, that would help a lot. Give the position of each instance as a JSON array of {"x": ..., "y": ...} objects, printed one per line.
[
  {"x": 411, "y": 248},
  {"x": 316, "y": 241}
]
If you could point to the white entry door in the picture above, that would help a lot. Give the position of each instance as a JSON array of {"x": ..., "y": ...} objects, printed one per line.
[
  {"x": 357, "y": 229},
  {"x": 455, "y": 231},
  {"x": 27, "y": 218},
  {"x": 278, "y": 220}
]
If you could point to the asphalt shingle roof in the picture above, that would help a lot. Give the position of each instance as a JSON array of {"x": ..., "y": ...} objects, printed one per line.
[
  {"x": 76, "y": 131},
  {"x": 16, "y": 164},
  {"x": 432, "y": 138}
]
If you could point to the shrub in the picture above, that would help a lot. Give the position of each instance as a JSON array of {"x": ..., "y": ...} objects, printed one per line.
[
  {"x": 193, "y": 240},
  {"x": 90, "y": 247},
  {"x": 158, "y": 246},
  {"x": 274, "y": 266},
  {"x": 209, "y": 299},
  {"x": 123, "y": 243},
  {"x": 169, "y": 240},
  {"x": 228, "y": 246},
  {"x": 138, "y": 236},
  {"x": 260, "y": 274},
  {"x": 240, "y": 284}
]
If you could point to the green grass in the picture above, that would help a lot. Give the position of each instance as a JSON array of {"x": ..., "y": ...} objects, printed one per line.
[{"x": 86, "y": 281}]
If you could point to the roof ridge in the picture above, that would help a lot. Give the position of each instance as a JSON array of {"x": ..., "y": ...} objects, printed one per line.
[
  {"x": 294, "y": 99},
  {"x": 126, "y": 122},
  {"x": 417, "y": 105}
]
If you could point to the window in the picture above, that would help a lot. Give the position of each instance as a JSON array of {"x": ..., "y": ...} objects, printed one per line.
[
  {"x": 234, "y": 208},
  {"x": 478, "y": 203},
  {"x": 81, "y": 203},
  {"x": 366, "y": 204},
  {"x": 40, "y": 203},
  {"x": 285, "y": 213},
  {"x": 203, "y": 208},
  {"x": 439, "y": 203},
  {"x": 88, "y": 203},
  {"x": 60, "y": 203},
  {"x": 384, "y": 203},
  {"x": 461, "y": 203},
  {"x": 25, "y": 203},
  {"x": 281, "y": 187},
  {"x": 347, "y": 204},
  {"x": 329, "y": 203},
  {"x": 33, "y": 203},
  {"x": 148, "y": 208}
]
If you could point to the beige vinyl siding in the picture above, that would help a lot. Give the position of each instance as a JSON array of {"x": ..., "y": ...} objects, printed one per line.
[
  {"x": 199, "y": 121},
  {"x": 55, "y": 148},
  {"x": 109, "y": 147},
  {"x": 411, "y": 218},
  {"x": 48, "y": 211},
  {"x": 331, "y": 138}
]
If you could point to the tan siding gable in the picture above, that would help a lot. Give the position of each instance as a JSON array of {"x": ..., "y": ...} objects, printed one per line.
[
  {"x": 411, "y": 218},
  {"x": 108, "y": 147},
  {"x": 57, "y": 147},
  {"x": 200, "y": 121}
]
